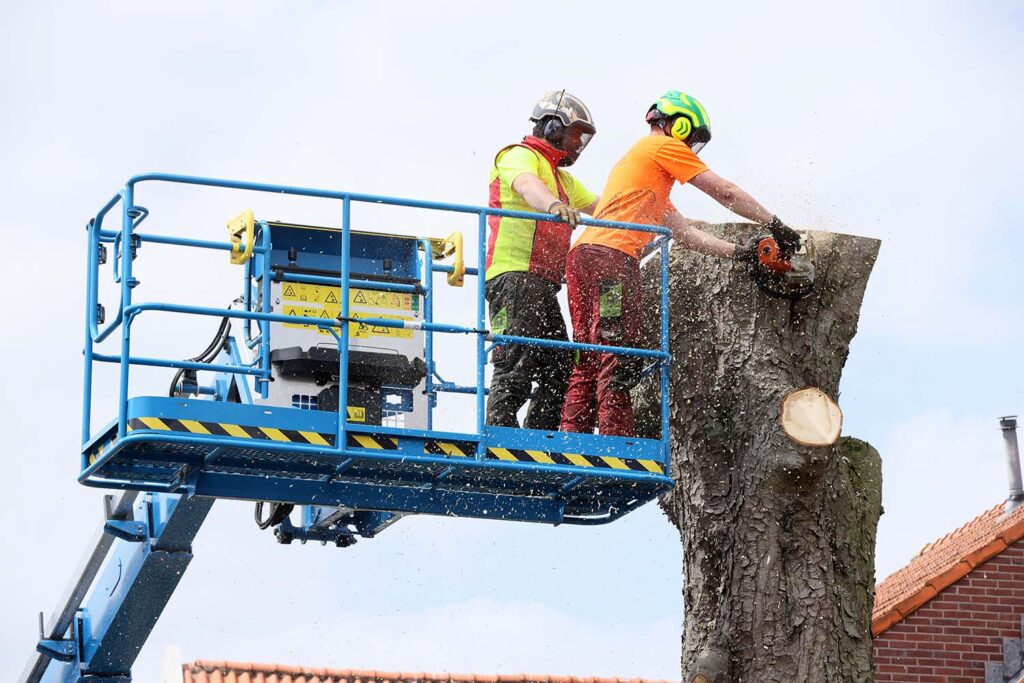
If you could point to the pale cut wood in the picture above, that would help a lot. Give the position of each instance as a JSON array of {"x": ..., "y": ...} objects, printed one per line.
[{"x": 811, "y": 418}]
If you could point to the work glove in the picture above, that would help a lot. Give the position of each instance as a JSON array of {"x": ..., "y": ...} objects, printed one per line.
[
  {"x": 747, "y": 253},
  {"x": 786, "y": 237},
  {"x": 565, "y": 212}
]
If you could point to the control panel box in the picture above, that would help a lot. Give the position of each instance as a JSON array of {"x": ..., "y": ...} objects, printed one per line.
[{"x": 386, "y": 364}]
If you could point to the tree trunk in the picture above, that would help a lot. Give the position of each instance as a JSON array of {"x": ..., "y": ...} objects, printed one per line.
[{"x": 778, "y": 538}]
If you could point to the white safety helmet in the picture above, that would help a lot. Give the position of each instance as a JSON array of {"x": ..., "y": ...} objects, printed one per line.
[{"x": 564, "y": 121}]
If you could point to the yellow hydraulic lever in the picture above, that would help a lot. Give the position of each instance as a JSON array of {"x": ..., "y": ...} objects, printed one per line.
[
  {"x": 242, "y": 232},
  {"x": 451, "y": 245}
]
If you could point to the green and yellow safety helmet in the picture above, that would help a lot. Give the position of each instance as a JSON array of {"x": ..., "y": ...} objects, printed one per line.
[{"x": 682, "y": 117}]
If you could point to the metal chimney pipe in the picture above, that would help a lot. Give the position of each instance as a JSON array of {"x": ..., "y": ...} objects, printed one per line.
[{"x": 1009, "y": 427}]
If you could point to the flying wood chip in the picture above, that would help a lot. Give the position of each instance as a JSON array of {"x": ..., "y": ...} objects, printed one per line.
[{"x": 811, "y": 418}]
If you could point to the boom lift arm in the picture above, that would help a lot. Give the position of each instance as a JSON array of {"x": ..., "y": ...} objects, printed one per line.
[{"x": 122, "y": 585}]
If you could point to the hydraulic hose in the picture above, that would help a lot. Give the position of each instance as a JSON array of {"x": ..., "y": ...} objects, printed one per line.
[
  {"x": 208, "y": 354},
  {"x": 278, "y": 513}
]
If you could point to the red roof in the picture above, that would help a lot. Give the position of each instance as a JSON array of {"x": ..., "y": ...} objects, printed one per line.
[
  {"x": 941, "y": 564},
  {"x": 202, "y": 671}
]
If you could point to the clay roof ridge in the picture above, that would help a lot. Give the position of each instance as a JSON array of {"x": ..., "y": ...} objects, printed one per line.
[
  {"x": 943, "y": 562},
  {"x": 209, "y": 666},
  {"x": 955, "y": 532}
]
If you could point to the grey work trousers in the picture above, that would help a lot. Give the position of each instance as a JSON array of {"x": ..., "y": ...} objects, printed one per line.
[{"x": 526, "y": 305}]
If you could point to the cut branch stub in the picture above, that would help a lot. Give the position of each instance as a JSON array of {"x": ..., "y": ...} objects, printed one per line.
[{"x": 811, "y": 418}]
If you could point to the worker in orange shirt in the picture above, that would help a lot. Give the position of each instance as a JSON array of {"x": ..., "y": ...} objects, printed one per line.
[
  {"x": 525, "y": 262},
  {"x": 603, "y": 266}
]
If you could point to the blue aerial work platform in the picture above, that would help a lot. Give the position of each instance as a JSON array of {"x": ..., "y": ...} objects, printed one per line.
[{"x": 266, "y": 426}]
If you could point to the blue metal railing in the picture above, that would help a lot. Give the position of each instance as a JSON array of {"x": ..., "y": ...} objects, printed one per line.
[{"x": 125, "y": 238}]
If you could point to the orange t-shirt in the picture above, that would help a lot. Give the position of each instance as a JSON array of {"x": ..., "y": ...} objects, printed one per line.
[{"x": 638, "y": 191}]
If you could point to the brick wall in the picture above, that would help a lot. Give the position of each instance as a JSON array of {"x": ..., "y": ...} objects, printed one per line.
[{"x": 950, "y": 638}]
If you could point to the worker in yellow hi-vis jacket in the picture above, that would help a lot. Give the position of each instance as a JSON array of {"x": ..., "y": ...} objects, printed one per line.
[{"x": 525, "y": 263}]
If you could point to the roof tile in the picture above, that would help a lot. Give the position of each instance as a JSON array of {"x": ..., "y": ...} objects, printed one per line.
[
  {"x": 204, "y": 671},
  {"x": 944, "y": 562}
]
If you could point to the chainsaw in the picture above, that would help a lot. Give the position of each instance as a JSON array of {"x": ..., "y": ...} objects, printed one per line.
[{"x": 782, "y": 273}]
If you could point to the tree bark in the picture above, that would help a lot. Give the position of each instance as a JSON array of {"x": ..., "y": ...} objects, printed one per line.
[{"x": 778, "y": 538}]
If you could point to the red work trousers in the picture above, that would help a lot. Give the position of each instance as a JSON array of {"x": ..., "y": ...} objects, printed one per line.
[{"x": 605, "y": 306}]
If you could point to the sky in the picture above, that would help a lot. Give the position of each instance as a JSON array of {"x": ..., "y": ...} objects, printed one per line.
[{"x": 890, "y": 120}]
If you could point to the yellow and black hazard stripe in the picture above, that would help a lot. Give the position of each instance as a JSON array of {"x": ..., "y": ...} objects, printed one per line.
[
  {"x": 468, "y": 448},
  {"x": 458, "y": 449},
  {"x": 371, "y": 441},
  {"x": 381, "y": 442},
  {"x": 99, "y": 449},
  {"x": 549, "y": 458},
  {"x": 205, "y": 428}
]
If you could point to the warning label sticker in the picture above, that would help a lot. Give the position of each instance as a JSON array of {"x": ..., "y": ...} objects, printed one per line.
[
  {"x": 356, "y": 413},
  {"x": 356, "y": 330},
  {"x": 368, "y": 298},
  {"x": 294, "y": 291},
  {"x": 374, "y": 299},
  {"x": 360, "y": 329},
  {"x": 307, "y": 312}
]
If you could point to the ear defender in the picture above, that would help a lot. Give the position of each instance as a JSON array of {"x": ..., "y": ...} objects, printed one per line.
[
  {"x": 681, "y": 128},
  {"x": 554, "y": 130}
]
